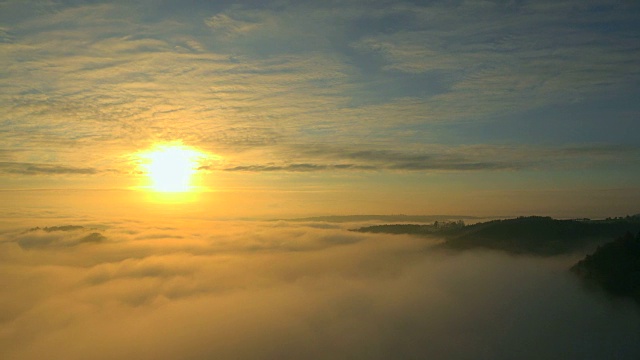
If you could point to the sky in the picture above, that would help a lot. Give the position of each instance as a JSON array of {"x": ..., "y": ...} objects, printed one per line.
[
  {"x": 420, "y": 107},
  {"x": 156, "y": 156}
]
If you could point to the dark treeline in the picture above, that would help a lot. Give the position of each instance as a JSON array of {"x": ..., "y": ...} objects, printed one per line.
[
  {"x": 614, "y": 266},
  {"x": 524, "y": 235},
  {"x": 58, "y": 228},
  {"x": 438, "y": 227},
  {"x": 385, "y": 218}
]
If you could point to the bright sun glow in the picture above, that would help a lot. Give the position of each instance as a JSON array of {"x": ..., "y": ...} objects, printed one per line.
[{"x": 170, "y": 167}]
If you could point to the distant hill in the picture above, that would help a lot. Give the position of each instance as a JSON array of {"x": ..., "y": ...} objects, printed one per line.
[
  {"x": 524, "y": 235},
  {"x": 58, "y": 228},
  {"x": 614, "y": 266},
  {"x": 384, "y": 218},
  {"x": 539, "y": 235}
]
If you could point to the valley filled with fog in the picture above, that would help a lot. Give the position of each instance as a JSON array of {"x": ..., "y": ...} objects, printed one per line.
[{"x": 201, "y": 289}]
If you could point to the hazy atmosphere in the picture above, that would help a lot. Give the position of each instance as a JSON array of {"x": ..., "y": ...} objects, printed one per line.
[
  {"x": 181, "y": 179},
  {"x": 194, "y": 289}
]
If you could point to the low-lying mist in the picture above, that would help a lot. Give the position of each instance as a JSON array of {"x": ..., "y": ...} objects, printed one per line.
[{"x": 284, "y": 290}]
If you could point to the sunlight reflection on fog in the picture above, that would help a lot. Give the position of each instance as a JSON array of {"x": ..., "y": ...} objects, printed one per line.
[{"x": 187, "y": 288}]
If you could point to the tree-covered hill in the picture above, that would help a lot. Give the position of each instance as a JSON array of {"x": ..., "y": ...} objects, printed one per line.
[
  {"x": 523, "y": 235},
  {"x": 614, "y": 266},
  {"x": 539, "y": 235}
]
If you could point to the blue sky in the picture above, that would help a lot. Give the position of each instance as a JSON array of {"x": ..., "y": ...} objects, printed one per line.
[{"x": 398, "y": 96}]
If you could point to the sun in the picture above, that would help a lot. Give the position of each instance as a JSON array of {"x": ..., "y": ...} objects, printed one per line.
[{"x": 170, "y": 167}]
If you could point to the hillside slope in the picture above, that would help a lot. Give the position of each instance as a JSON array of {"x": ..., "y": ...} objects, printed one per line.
[
  {"x": 614, "y": 266},
  {"x": 524, "y": 235}
]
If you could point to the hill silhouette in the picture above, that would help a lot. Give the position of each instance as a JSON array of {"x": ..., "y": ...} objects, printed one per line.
[
  {"x": 614, "y": 266},
  {"x": 523, "y": 235},
  {"x": 385, "y": 218}
]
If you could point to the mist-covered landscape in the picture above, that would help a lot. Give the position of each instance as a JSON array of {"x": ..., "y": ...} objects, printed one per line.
[
  {"x": 354, "y": 179},
  {"x": 199, "y": 289}
]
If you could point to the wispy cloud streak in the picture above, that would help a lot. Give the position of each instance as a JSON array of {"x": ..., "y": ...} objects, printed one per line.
[{"x": 40, "y": 169}]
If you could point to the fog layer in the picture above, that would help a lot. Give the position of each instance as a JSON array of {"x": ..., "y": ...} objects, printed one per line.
[{"x": 280, "y": 290}]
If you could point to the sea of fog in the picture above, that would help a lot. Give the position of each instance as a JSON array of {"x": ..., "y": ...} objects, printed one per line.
[{"x": 180, "y": 288}]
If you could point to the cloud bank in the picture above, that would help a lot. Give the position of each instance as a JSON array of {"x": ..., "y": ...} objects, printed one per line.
[{"x": 264, "y": 290}]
